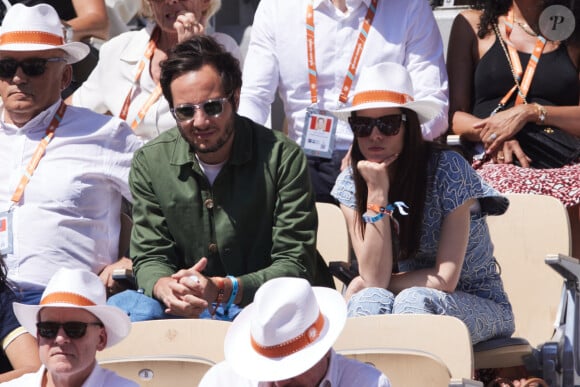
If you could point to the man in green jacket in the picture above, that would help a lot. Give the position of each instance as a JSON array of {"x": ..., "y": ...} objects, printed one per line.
[{"x": 220, "y": 203}]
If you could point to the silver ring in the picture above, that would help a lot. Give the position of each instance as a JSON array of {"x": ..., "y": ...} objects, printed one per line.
[
  {"x": 194, "y": 278},
  {"x": 492, "y": 136}
]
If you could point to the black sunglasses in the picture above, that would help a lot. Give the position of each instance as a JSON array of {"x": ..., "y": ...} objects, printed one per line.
[
  {"x": 33, "y": 67},
  {"x": 73, "y": 329},
  {"x": 387, "y": 125},
  {"x": 211, "y": 107}
]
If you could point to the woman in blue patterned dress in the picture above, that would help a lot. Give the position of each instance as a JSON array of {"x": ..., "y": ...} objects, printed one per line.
[{"x": 432, "y": 254}]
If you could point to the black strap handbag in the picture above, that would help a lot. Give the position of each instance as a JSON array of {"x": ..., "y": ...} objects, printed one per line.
[{"x": 548, "y": 146}]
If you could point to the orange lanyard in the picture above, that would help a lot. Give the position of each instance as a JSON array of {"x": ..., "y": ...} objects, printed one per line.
[
  {"x": 38, "y": 153},
  {"x": 154, "y": 96},
  {"x": 358, "y": 49},
  {"x": 526, "y": 81}
]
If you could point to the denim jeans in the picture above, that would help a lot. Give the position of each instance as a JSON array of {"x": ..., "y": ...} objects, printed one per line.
[{"x": 140, "y": 307}]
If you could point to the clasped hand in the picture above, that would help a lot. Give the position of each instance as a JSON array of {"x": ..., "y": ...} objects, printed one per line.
[{"x": 188, "y": 292}]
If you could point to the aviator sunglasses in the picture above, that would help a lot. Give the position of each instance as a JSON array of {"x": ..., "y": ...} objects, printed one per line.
[
  {"x": 33, "y": 67},
  {"x": 388, "y": 125},
  {"x": 211, "y": 107},
  {"x": 73, "y": 329}
]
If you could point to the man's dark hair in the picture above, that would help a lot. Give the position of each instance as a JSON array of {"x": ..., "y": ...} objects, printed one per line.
[{"x": 193, "y": 54}]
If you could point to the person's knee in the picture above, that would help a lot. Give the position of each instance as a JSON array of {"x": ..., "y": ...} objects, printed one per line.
[
  {"x": 138, "y": 306},
  {"x": 370, "y": 301},
  {"x": 415, "y": 300}
]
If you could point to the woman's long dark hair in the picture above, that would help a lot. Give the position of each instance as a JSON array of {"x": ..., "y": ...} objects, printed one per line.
[
  {"x": 409, "y": 185},
  {"x": 493, "y": 9}
]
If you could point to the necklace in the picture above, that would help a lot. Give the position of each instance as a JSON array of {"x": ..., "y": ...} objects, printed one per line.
[{"x": 526, "y": 28}]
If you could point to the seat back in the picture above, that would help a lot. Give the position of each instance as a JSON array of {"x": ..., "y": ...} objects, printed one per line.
[
  {"x": 405, "y": 367},
  {"x": 125, "y": 234},
  {"x": 443, "y": 337},
  {"x": 174, "y": 352},
  {"x": 159, "y": 371},
  {"x": 444, "y": 16},
  {"x": 332, "y": 235},
  {"x": 532, "y": 227}
]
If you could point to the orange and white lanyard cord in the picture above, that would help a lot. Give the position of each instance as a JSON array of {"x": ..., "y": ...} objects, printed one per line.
[
  {"x": 526, "y": 81},
  {"x": 358, "y": 49},
  {"x": 38, "y": 153},
  {"x": 154, "y": 96}
]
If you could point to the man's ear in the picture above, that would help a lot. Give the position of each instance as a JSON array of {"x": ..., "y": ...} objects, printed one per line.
[
  {"x": 102, "y": 340},
  {"x": 66, "y": 77},
  {"x": 236, "y": 99}
]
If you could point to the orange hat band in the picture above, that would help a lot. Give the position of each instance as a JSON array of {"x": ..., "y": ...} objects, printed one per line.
[
  {"x": 31, "y": 37},
  {"x": 293, "y": 345},
  {"x": 380, "y": 96},
  {"x": 66, "y": 298}
]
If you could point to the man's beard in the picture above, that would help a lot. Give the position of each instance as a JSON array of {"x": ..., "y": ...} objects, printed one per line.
[{"x": 220, "y": 141}]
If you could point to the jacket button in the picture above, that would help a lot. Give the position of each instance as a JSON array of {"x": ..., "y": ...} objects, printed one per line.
[
  {"x": 208, "y": 203},
  {"x": 213, "y": 248}
]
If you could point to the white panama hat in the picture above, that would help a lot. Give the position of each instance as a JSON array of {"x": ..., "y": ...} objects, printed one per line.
[
  {"x": 387, "y": 85},
  {"x": 288, "y": 328},
  {"x": 81, "y": 289},
  {"x": 37, "y": 28}
]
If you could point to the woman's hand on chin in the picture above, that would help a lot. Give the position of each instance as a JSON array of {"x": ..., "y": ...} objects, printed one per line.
[{"x": 376, "y": 175}]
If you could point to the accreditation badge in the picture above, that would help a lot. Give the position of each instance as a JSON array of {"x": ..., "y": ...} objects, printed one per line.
[
  {"x": 6, "y": 246},
  {"x": 319, "y": 132}
]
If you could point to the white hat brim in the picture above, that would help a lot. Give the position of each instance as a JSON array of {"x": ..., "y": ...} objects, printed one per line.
[
  {"x": 245, "y": 361},
  {"x": 426, "y": 110},
  {"x": 116, "y": 322},
  {"x": 75, "y": 51}
]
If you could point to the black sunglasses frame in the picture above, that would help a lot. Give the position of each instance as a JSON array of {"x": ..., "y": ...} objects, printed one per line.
[
  {"x": 388, "y": 125},
  {"x": 205, "y": 106},
  {"x": 73, "y": 329},
  {"x": 32, "y": 67}
]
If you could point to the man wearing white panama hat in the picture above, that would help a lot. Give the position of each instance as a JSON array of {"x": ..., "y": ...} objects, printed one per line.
[
  {"x": 71, "y": 323},
  {"x": 65, "y": 169},
  {"x": 313, "y": 52},
  {"x": 285, "y": 338}
]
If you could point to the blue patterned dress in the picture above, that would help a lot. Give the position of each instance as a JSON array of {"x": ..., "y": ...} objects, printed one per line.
[{"x": 479, "y": 299}]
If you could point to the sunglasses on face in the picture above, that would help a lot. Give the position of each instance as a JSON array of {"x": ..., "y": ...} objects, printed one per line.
[
  {"x": 211, "y": 107},
  {"x": 33, "y": 67},
  {"x": 387, "y": 125},
  {"x": 73, "y": 329}
]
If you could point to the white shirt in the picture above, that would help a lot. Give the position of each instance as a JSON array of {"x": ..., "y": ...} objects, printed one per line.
[
  {"x": 110, "y": 81},
  {"x": 342, "y": 372},
  {"x": 403, "y": 32},
  {"x": 69, "y": 213},
  {"x": 99, "y": 377}
]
